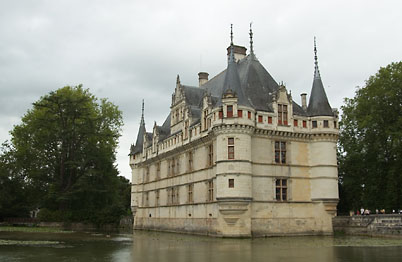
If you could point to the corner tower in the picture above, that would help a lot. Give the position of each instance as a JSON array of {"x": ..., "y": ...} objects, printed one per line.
[{"x": 324, "y": 136}]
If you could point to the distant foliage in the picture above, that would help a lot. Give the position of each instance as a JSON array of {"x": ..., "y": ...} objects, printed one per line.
[
  {"x": 370, "y": 151},
  {"x": 63, "y": 155}
]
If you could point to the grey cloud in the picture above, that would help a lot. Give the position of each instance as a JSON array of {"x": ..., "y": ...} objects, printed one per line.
[{"x": 127, "y": 51}]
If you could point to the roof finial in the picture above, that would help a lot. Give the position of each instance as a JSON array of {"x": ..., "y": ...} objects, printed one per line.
[
  {"x": 231, "y": 34},
  {"x": 142, "y": 114},
  {"x": 315, "y": 53},
  {"x": 316, "y": 70},
  {"x": 251, "y": 39},
  {"x": 231, "y": 58}
]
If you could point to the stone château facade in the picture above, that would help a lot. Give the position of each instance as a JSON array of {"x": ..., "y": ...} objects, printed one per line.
[{"x": 238, "y": 157}]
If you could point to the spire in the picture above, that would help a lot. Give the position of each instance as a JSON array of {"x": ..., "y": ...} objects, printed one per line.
[
  {"x": 316, "y": 70},
  {"x": 142, "y": 113},
  {"x": 231, "y": 34},
  {"x": 318, "y": 104},
  {"x": 251, "y": 40},
  {"x": 140, "y": 136}
]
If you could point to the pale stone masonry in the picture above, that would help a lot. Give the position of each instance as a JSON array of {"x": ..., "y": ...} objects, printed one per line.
[{"x": 237, "y": 157}]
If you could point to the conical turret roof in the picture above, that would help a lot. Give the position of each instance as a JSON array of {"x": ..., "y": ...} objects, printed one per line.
[
  {"x": 318, "y": 104},
  {"x": 140, "y": 136}
]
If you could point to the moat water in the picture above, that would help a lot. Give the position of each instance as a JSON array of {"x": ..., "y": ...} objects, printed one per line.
[{"x": 153, "y": 246}]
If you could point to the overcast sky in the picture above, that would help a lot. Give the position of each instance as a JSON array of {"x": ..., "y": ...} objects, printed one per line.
[{"x": 129, "y": 50}]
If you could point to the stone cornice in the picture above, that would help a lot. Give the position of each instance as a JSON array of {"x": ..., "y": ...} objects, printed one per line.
[{"x": 233, "y": 129}]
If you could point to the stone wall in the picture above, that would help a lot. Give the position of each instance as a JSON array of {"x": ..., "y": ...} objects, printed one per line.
[{"x": 372, "y": 225}]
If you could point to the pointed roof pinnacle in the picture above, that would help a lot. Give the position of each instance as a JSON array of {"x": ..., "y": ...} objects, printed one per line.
[
  {"x": 137, "y": 148},
  {"x": 231, "y": 34},
  {"x": 231, "y": 55},
  {"x": 142, "y": 113},
  {"x": 316, "y": 70},
  {"x": 251, "y": 39}
]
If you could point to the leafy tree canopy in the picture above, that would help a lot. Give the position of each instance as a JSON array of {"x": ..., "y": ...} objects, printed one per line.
[
  {"x": 370, "y": 151},
  {"x": 64, "y": 151}
]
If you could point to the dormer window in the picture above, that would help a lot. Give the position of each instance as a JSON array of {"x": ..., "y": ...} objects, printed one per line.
[
  {"x": 282, "y": 114},
  {"x": 229, "y": 112}
]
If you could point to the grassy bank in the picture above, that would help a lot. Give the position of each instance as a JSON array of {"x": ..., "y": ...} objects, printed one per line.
[{"x": 32, "y": 229}]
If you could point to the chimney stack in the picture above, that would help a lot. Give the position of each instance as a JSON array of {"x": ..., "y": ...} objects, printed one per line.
[
  {"x": 304, "y": 100},
  {"x": 202, "y": 78},
  {"x": 239, "y": 52}
]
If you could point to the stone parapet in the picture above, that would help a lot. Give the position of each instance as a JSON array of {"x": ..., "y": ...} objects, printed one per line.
[{"x": 372, "y": 225}]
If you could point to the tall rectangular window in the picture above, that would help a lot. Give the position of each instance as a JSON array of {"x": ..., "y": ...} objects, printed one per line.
[
  {"x": 280, "y": 152},
  {"x": 314, "y": 124},
  {"x": 186, "y": 124},
  {"x": 304, "y": 123},
  {"x": 270, "y": 120},
  {"x": 239, "y": 113},
  {"x": 173, "y": 168},
  {"x": 173, "y": 195},
  {"x": 177, "y": 195},
  {"x": 146, "y": 199},
  {"x": 169, "y": 195},
  {"x": 229, "y": 112},
  {"x": 259, "y": 119},
  {"x": 147, "y": 174},
  {"x": 190, "y": 193},
  {"x": 190, "y": 161},
  {"x": 205, "y": 119},
  {"x": 157, "y": 197},
  {"x": 326, "y": 124},
  {"x": 249, "y": 114},
  {"x": 281, "y": 189},
  {"x": 282, "y": 114},
  {"x": 158, "y": 170},
  {"x": 177, "y": 166},
  {"x": 210, "y": 155},
  {"x": 334, "y": 124},
  {"x": 220, "y": 114},
  {"x": 210, "y": 190},
  {"x": 295, "y": 122},
  {"x": 231, "y": 151}
]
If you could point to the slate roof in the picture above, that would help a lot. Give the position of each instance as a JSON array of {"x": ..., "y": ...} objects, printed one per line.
[
  {"x": 193, "y": 95},
  {"x": 164, "y": 130},
  {"x": 255, "y": 81}
]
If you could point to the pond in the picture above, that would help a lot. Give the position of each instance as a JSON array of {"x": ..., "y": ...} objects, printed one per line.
[{"x": 154, "y": 246}]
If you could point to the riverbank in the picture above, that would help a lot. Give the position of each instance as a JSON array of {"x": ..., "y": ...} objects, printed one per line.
[
  {"x": 384, "y": 225},
  {"x": 125, "y": 225}
]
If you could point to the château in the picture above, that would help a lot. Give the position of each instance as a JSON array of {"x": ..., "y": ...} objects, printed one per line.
[{"x": 238, "y": 157}]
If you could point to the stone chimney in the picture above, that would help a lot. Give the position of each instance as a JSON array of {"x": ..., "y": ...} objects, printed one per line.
[
  {"x": 239, "y": 52},
  {"x": 202, "y": 78},
  {"x": 304, "y": 100}
]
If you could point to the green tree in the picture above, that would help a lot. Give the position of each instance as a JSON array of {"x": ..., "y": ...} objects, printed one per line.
[
  {"x": 14, "y": 200},
  {"x": 370, "y": 152},
  {"x": 65, "y": 151}
]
